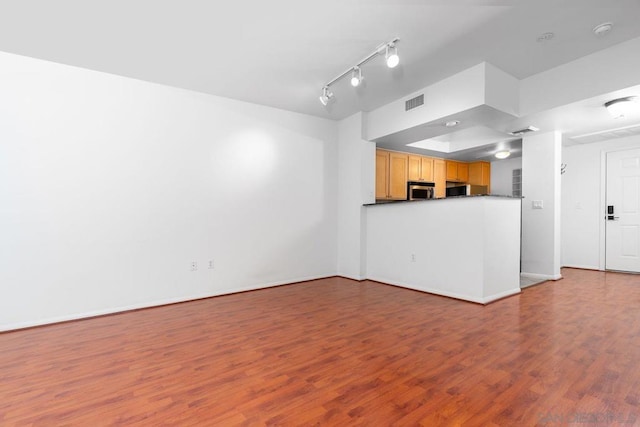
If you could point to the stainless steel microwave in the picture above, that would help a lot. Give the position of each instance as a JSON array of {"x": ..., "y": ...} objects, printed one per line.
[{"x": 419, "y": 190}]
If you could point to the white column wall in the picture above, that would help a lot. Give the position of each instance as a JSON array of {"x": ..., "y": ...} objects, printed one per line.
[
  {"x": 356, "y": 175},
  {"x": 541, "y": 161}
]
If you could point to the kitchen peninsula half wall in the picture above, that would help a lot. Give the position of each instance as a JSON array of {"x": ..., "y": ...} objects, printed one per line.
[{"x": 466, "y": 247}]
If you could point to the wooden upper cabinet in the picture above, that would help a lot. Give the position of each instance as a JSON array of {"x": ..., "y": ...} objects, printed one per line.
[
  {"x": 463, "y": 172},
  {"x": 382, "y": 174},
  {"x": 414, "y": 168},
  {"x": 457, "y": 171},
  {"x": 480, "y": 174},
  {"x": 427, "y": 169},
  {"x": 452, "y": 170},
  {"x": 398, "y": 176},
  {"x": 440, "y": 177},
  {"x": 391, "y": 175},
  {"x": 420, "y": 168}
]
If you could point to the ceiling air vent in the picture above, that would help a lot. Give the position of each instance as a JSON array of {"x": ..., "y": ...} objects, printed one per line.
[
  {"x": 607, "y": 134},
  {"x": 414, "y": 102},
  {"x": 521, "y": 132}
]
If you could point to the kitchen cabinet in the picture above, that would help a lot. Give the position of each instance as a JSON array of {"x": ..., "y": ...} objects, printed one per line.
[
  {"x": 457, "y": 171},
  {"x": 420, "y": 168},
  {"x": 382, "y": 174},
  {"x": 440, "y": 178},
  {"x": 391, "y": 175},
  {"x": 480, "y": 174}
]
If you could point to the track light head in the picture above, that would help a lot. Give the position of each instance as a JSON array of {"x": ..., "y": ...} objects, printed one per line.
[
  {"x": 356, "y": 77},
  {"x": 326, "y": 96},
  {"x": 391, "y": 55}
]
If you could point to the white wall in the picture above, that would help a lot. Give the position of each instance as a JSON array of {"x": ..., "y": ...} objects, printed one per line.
[
  {"x": 582, "y": 207},
  {"x": 541, "y": 160},
  {"x": 356, "y": 175},
  {"x": 502, "y": 175},
  {"x": 110, "y": 186}
]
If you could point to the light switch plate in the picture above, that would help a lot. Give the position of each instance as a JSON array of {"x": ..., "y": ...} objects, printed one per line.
[{"x": 537, "y": 204}]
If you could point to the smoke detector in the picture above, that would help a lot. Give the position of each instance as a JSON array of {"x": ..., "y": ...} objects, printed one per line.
[{"x": 545, "y": 37}]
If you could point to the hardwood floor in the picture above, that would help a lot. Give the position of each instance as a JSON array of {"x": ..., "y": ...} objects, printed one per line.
[{"x": 338, "y": 352}]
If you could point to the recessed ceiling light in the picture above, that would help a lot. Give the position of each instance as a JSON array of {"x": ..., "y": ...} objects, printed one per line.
[
  {"x": 602, "y": 29},
  {"x": 452, "y": 123},
  {"x": 545, "y": 37},
  {"x": 502, "y": 154}
]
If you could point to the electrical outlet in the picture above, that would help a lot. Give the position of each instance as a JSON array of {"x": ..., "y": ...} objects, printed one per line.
[
  {"x": 210, "y": 264},
  {"x": 413, "y": 257},
  {"x": 194, "y": 266},
  {"x": 537, "y": 204}
]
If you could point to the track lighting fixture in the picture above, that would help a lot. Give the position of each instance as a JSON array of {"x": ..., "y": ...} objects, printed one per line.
[
  {"x": 326, "y": 95},
  {"x": 356, "y": 77},
  {"x": 391, "y": 56},
  {"x": 390, "y": 52}
]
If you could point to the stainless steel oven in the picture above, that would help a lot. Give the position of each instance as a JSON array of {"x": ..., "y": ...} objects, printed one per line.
[{"x": 419, "y": 190}]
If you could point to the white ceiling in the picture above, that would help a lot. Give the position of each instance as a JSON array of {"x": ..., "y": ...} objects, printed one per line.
[{"x": 281, "y": 52}]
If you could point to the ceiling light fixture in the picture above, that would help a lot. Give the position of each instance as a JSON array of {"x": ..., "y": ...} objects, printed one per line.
[
  {"x": 326, "y": 96},
  {"x": 389, "y": 50},
  {"x": 356, "y": 77},
  {"x": 621, "y": 107},
  {"x": 502, "y": 154},
  {"x": 602, "y": 29}
]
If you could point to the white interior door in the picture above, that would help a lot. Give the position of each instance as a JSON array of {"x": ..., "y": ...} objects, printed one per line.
[{"x": 622, "y": 211}]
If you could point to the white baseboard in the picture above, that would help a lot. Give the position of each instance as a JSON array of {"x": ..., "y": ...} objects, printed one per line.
[
  {"x": 463, "y": 297},
  {"x": 583, "y": 267},
  {"x": 348, "y": 276},
  {"x": 157, "y": 303},
  {"x": 501, "y": 295},
  {"x": 541, "y": 276}
]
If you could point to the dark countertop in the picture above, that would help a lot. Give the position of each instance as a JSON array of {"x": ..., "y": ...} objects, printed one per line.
[{"x": 387, "y": 202}]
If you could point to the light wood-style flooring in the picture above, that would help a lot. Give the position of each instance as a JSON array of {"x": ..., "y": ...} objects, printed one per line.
[{"x": 336, "y": 352}]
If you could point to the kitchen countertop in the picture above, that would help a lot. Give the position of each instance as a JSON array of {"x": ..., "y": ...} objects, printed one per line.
[{"x": 441, "y": 198}]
